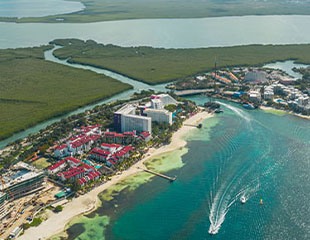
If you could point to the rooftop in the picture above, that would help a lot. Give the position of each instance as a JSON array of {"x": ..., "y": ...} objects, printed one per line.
[{"x": 18, "y": 173}]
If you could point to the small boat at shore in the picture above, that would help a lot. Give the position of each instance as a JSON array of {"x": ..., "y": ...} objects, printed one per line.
[
  {"x": 243, "y": 200},
  {"x": 218, "y": 110},
  {"x": 248, "y": 106}
]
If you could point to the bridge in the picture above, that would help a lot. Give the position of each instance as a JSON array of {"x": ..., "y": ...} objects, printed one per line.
[{"x": 192, "y": 92}]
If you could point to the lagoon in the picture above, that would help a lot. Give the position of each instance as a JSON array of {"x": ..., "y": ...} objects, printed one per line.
[
  {"x": 37, "y": 8},
  {"x": 167, "y": 33}
]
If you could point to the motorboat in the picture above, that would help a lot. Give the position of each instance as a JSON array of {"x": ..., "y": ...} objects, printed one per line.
[
  {"x": 212, "y": 232},
  {"x": 243, "y": 200}
]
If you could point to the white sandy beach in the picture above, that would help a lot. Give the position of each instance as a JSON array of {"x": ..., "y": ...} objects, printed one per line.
[
  {"x": 56, "y": 223},
  {"x": 283, "y": 111}
]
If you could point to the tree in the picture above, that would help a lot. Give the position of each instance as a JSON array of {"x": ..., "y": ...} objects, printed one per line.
[{"x": 58, "y": 209}]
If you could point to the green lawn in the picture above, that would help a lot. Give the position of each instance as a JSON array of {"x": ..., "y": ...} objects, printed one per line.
[
  {"x": 158, "y": 65},
  {"x": 107, "y": 10},
  {"x": 41, "y": 163},
  {"x": 33, "y": 90}
]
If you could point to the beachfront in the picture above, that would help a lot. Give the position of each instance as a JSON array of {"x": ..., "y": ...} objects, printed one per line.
[{"x": 56, "y": 223}]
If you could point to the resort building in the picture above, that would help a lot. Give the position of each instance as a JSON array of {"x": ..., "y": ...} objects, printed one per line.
[
  {"x": 159, "y": 115},
  {"x": 268, "y": 93},
  {"x": 135, "y": 122},
  {"x": 74, "y": 173},
  {"x": 125, "y": 120},
  {"x": 146, "y": 136},
  {"x": 79, "y": 143},
  {"x": 99, "y": 155},
  {"x": 162, "y": 100},
  {"x": 255, "y": 96},
  {"x": 57, "y": 167},
  {"x": 61, "y": 151},
  {"x": 119, "y": 138},
  {"x": 255, "y": 77},
  {"x": 21, "y": 180}
]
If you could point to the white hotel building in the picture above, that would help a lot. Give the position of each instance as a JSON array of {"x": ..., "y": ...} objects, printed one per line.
[{"x": 159, "y": 115}]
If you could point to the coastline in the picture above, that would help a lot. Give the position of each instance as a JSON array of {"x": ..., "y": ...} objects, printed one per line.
[
  {"x": 56, "y": 223},
  {"x": 264, "y": 108}
]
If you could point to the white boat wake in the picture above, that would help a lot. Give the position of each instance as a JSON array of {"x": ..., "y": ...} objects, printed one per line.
[
  {"x": 223, "y": 201},
  {"x": 238, "y": 111}
]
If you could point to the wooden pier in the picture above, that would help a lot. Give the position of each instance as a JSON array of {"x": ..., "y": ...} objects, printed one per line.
[
  {"x": 171, "y": 179},
  {"x": 192, "y": 125}
]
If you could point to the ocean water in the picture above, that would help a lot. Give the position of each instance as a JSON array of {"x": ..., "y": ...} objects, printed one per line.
[
  {"x": 256, "y": 154},
  {"x": 167, "y": 33}
]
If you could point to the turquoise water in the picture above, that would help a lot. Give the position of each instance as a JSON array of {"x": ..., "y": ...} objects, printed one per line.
[
  {"x": 37, "y": 8},
  {"x": 245, "y": 153},
  {"x": 167, "y": 33}
]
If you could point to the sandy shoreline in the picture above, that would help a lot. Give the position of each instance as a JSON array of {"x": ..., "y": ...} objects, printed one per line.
[
  {"x": 284, "y": 111},
  {"x": 56, "y": 223}
]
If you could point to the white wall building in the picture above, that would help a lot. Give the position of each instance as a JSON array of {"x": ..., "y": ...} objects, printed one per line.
[
  {"x": 268, "y": 93},
  {"x": 256, "y": 77},
  {"x": 254, "y": 96},
  {"x": 158, "y": 115},
  {"x": 135, "y": 122},
  {"x": 162, "y": 100}
]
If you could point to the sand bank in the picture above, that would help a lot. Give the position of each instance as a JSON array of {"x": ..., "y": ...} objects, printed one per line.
[
  {"x": 264, "y": 108},
  {"x": 56, "y": 223}
]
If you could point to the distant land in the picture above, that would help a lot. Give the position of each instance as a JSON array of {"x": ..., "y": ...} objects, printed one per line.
[
  {"x": 159, "y": 65},
  {"x": 33, "y": 90},
  {"x": 38, "y": 90},
  {"x": 107, "y": 10}
]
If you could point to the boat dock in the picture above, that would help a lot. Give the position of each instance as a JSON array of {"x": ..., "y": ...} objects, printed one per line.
[
  {"x": 171, "y": 179},
  {"x": 193, "y": 125}
]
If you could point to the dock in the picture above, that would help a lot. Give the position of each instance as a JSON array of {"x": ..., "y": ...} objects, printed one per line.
[
  {"x": 171, "y": 179},
  {"x": 193, "y": 125}
]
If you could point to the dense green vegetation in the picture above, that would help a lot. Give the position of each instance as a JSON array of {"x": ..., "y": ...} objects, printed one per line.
[
  {"x": 106, "y": 10},
  {"x": 33, "y": 90},
  {"x": 304, "y": 83},
  {"x": 36, "y": 222},
  {"x": 158, "y": 65}
]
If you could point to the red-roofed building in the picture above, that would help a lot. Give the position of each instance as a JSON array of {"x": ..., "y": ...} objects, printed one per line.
[
  {"x": 99, "y": 154},
  {"x": 92, "y": 176},
  {"x": 74, "y": 173},
  {"x": 57, "y": 167},
  {"x": 90, "y": 130},
  {"x": 82, "y": 181},
  {"x": 146, "y": 136},
  {"x": 120, "y": 138},
  {"x": 124, "y": 153},
  {"x": 61, "y": 151},
  {"x": 73, "y": 162},
  {"x": 111, "y": 147}
]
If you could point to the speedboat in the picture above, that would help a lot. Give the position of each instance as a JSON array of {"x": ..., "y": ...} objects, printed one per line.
[
  {"x": 243, "y": 200},
  {"x": 212, "y": 232}
]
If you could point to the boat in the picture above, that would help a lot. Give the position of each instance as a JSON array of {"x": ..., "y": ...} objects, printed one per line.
[
  {"x": 261, "y": 202},
  {"x": 243, "y": 200},
  {"x": 218, "y": 110},
  {"x": 212, "y": 232},
  {"x": 248, "y": 106}
]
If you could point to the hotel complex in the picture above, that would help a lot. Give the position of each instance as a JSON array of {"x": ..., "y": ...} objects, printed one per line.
[
  {"x": 126, "y": 120},
  {"x": 159, "y": 115}
]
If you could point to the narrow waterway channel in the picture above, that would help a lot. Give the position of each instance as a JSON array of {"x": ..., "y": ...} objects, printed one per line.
[{"x": 137, "y": 86}]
